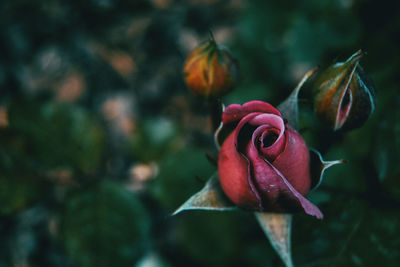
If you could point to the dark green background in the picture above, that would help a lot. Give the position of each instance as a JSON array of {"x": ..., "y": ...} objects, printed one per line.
[{"x": 93, "y": 88}]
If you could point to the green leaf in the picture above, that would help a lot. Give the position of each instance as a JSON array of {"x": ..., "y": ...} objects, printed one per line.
[
  {"x": 289, "y": 107},
  {"x": 277, "y": 227},
  {"x": 211, "y": 197}
]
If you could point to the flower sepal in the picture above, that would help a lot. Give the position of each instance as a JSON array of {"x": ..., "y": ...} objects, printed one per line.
[{"x": 210, "y": 197}]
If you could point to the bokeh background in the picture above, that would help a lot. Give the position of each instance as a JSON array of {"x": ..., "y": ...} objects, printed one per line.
[{"x": 100, "y": 140}]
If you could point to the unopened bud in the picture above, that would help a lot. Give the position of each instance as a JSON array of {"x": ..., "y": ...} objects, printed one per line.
[
  {"x": 210, "y": 70},
  {"x": 344, "y": 95}
]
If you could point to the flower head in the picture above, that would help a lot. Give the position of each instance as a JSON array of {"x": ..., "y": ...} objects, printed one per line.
[
  {"x": 263, "y": 163},
  {"x": 344, "y": 95},
  {"x": 210, "y": 70}
]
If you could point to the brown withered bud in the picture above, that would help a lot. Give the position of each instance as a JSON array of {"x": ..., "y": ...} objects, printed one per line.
[
  {"x": 344, "y": 96},
  {"x": 210, "y": 70}
]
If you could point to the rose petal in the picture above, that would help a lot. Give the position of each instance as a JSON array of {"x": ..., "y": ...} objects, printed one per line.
[
  {"x": 294, "y": 161},
  {"x": 236, "y": 112},
  {"x": 239, "y": 127},
  {"x": 275, "y": 121},
  {"x": 276, "y": 192},
  {"x": 307, "y": 206},
  {"x": 271, "y": 121},
  {"x": 271, "y": 176},
  {"x": 233, "y": 171},
  {"x": 272, "y": 151}
]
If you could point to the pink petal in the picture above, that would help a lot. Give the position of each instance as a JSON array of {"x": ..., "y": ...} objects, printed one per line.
[
  {"x": 270, "y": 121},
  {"x": 238, "y": 128},
  {"x": 344, "y": 107},
  {"x": 294, "y": 161},
  {"x": 307, "y": 206},
  {"x": 236, "y": 112},
  {"x": 276, "y": 192},
  {"x": 272, "y": 151},
  {"x": 234, "y": 176}
]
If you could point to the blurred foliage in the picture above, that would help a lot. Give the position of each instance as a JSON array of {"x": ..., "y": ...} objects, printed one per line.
[
  {"x": 100, "y": 141},
  {"x": 172, "y": 178},
  {"x": 154, "y": 138},
  {"x": 54, "y": 135},
  {"x": 105, "y": 226},
  {"x": 17, "y": 192}
]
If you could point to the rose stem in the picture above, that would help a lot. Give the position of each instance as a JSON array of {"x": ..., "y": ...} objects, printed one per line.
[{"x": 215, "y": 110}]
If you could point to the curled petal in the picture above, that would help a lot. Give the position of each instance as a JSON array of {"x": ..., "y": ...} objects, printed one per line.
[
  {"x": 239, "y": 129},
  {"x": 269, "y": 148},
  {"x": 235, "y": 112},
  {"x": 277, "y": 194},
  {"x": 307, "y": 206},
  {"x": 256, "y": 119},
  {"x": 233, "y": 171},
  {"x": 264, "y": 164},
  {"x": 269, "y": 141},
  {"x": 272, "y": 144},
  {"x": 294, "y": 161}
]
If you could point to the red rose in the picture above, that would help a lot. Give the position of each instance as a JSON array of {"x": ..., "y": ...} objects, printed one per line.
[{"x": 263, "y": 163}]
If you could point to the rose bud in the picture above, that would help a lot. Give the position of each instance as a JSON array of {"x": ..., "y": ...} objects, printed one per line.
[
  {"x": 263, "y": 163},
  {"x": 344, "y": 95},
  {"x": 210, "y": 70}
]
